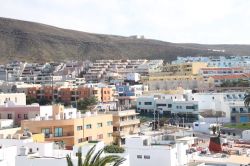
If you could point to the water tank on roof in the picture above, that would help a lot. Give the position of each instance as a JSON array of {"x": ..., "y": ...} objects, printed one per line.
[
  {"x": 23, "y": 151},
  {"x": 88, "y": 113}
]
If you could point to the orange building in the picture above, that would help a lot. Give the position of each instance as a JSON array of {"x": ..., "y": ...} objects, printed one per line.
[
  {"x": 73, "y": 130},
  {"x": 70, "y": 94},
  {"x": 106, "y": 94}
]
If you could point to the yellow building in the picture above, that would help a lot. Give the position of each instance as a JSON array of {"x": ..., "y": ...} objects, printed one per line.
[
  {"x": 98, "y": 127},
  {"x": 125, "y": 123},
  {"x": 73, "y": 130},
  {"x": 191, "y": 68}
]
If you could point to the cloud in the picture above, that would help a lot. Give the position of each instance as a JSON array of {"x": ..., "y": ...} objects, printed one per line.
[{"x": 199, "y": 21}]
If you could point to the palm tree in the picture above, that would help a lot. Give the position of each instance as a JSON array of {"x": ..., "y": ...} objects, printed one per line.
[
  {"x": 247, "y": 99},
  {"x": 92, "y": 159}
]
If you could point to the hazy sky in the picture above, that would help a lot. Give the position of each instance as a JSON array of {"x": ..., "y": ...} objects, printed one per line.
[{"x": 196, "y": 21}]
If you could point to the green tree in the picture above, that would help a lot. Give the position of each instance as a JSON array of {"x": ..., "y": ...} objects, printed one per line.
[
  {"x": 87, "y": 103},
  {"x": 247, "y": 99},
  {"x": 95, "y": 159},
  {"x": 44, "y": 101},
  {"x": 113, "y": 149},
  {"x": 30, "y": 100}
]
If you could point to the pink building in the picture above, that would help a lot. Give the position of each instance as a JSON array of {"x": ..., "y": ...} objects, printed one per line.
[{"x": 18, "y": 113}]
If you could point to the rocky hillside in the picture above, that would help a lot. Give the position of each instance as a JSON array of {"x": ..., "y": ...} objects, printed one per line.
[{"x": 22, "y": 40}]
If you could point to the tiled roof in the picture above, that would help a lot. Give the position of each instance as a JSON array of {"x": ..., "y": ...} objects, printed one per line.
[
  {"x": 221, "y": 68},
  {"x": 234, "y": 76}
]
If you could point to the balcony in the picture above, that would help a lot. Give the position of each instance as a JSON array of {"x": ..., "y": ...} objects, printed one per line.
[
  {"x": 127, "y": 122},
  {"x": 120, "y": 133},
  {"x": 65, "y": 135}
]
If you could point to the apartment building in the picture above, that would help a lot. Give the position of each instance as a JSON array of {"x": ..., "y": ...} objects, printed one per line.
[
  {"x": 71, "y": 130},
  {"x": 159, "y": 81},
  {"x": 69, "y": 94},
  {"x": 191, "y": 68},
  {"x": 125, "y": 123},
  {"x": 127, "y": 93},
  {"x": 221, "y": 61},
  {"x": 239, "y": 113},
  {"x": 98, "y": 127},
  {"x": 230, "y": 104},
  {"x": 212, "y": 71},
  {"x": 218, "y": 80},
  {"x": 169, "y": 105},
  {"x": 18, "y": 113}
]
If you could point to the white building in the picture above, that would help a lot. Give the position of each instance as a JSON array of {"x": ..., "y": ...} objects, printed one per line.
[
  {"x": 246, "y": 135},
  {"x": 7, "y": 155},
  {"x": 146, "y": 151},
  {"x": 166, "y": 103},
  {"x": 229, "y": 102},
  {"x": 6, "y": 123},
  {"x": 16, "y": 98},
  {"x": 14, "y": 152},
  {"x": 203, "y": 127},
  {"x": 133, "y": 77}
]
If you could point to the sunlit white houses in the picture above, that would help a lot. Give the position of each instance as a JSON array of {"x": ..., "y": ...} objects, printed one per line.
[
  {"x": 230, "y": 104},
  {"x": 167, "y": 104},
  {"x": 148, "y": 151},
  {"x": 16, "y": 98}
]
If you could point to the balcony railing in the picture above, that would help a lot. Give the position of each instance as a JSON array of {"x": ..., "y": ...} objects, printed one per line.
[
  {"x": 127, "y": 122},
  {"x": 58, "y": 135}
]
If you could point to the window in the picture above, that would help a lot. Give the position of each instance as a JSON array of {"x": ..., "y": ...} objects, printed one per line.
[
  {"x": 161, "y": 105},
  {"x": 139, "y": 103},
  {"x": 169, "y": 105},
  {"x": 139, "y": 156},
  {"x": 99, "y": 125},
  {"x": 147, "y": 103},
  {"x": 80, "y": 140},
  {"x": 9, "y": 116},
  {"x": 100, "y": 136},
  {"x": 89, "y": 138},
  {"x": 25, "y": 116},
  {"x": 88, "y": 126},
  {"x": 233, "y": 110},
  {"x": 58, "y": 132},
  {"x": 110, "y": 134},
  {"x": 19, "y": 116},
  {"x": 79, "y": 128},
  {"x": 109, "y": 123},
  {"x": 46, "y": 132},
  {"x": 189, "y": 107},
  {"x": 146, "y": 157},
  {"x": 241, "y": 110}
]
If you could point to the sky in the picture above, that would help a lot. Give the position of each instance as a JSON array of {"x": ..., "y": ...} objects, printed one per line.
[{"x": 180, "y": 21}]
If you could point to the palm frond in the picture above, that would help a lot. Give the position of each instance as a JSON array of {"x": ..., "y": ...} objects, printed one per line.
[
  {"x": 109, "y": 159},
  {"x": 119, "y": 161},
  {"x": 80, "y": 156},
  {"x": 69, "y": 161},
  {"x": 88, "y": 156},
  {"x": 96, "y": 157},
  {"x": 247, "y": 100}
]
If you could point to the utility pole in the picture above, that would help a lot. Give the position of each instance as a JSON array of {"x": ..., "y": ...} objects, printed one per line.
[
  {"x": 75, "y": 97},
  {"x": 154, "y": 121},
  {"x": 52, "y": 81}
]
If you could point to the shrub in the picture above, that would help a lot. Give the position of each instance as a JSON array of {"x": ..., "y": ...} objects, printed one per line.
[{"x": 113, "y": 149}]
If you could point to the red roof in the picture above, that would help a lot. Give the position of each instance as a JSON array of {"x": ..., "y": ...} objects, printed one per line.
[
  {"x": 234, "y": 76},
  {"x": 221, "y": 68}
]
